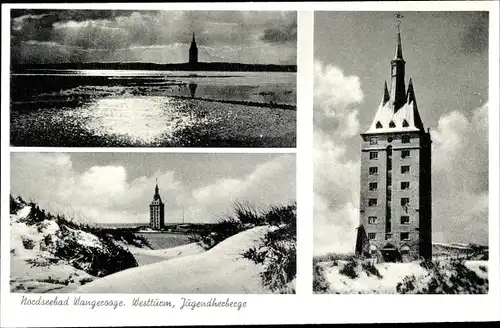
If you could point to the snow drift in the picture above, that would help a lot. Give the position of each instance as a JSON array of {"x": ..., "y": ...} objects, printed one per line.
[
  {"x": 49, "y": 252},
  {"x": 222, "y": 269},
  {"x": 417, "y": 277}
]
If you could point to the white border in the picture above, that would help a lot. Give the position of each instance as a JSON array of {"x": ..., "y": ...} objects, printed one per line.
[{"x": 275, "y": 309}]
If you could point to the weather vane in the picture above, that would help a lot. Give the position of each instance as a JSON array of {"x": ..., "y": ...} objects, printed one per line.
[{"x": 398, "y": 19}]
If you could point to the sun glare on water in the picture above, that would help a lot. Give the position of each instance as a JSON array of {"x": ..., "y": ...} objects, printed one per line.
[{"x": 139, "y": 119}]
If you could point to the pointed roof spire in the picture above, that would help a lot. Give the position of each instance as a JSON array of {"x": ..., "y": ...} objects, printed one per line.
[
  {"x": 410, "y": 95},
  {"x": 194, "y": 41},
  {"x": 386, "y": 96},
  {"x": 157, "y": 190},
  {"x": 399, "y": 48}
]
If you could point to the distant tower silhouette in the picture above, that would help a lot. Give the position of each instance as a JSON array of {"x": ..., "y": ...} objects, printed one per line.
[
  {"x": 157, "y": 211},
  {"x": 193, "y": 52}
]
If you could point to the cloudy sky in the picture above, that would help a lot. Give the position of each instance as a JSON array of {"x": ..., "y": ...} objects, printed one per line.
[
  {"x": 54, "y": 36},
  {"x": 118, "y": 187},
  {"x": 446, "y": 55}
]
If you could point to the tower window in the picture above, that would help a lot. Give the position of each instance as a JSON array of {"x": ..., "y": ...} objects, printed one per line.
[
  {"x": 405, "y": 124},
  {"x": 373, "y": 186},
  {"x": 405, "y": 153},
  {"x": 378, "y": 125},
  {"x": 372, "y": 202},
  {"x": 405, "y": 201},
  {"x": 372, "y": 235},
  {"x": 405, "y": 236},
  {"x": 405, "y": 169},
  {"x": 372, "y": 220},
  {"x": 388, "y": 236},
  {"x": 405, "y": 139},
  {"x": 373, "y": 170},
  {"x": 373, "y": 155},
  {"x": 392, "y": 124},
  {"x": 405, "y": 219},
  {"x": 405, "y": 185},
  {"x": 373, "y": 141}
]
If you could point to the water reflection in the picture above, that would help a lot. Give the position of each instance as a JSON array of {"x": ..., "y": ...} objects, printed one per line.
[
  {"x": 108, "y": 109},
  {"x": 142, "y": 119},
  {"x": 192, "y": 89}
]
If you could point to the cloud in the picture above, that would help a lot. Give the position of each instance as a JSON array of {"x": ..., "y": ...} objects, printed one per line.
[
  {"x": 280, "y": 34},
  {"x": 99, "y": 33},
  {"x": 334, "y": 97},
  {"x": 336, "y": 174},
  {"x": 104, "y": 194},
  {"x": 460, "y": 176}
]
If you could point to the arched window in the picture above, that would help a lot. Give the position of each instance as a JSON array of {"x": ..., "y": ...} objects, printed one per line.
[
  {"x": 378, "y": 125},
  {"x": 405, "y": 124},
  {"x": 404, "y": 249},
  {"x": 392, "y": 124}
]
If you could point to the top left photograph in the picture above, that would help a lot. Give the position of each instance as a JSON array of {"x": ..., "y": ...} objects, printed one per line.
[{"x": 129, "y": 78}]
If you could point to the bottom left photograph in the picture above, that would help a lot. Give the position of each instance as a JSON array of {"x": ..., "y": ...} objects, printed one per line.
[{"x": 152, "y": 223}]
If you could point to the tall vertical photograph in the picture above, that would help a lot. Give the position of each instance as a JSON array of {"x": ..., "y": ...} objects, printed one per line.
[
  {"x": 132, "y": 78},
  {"x": 152, "y": 223},
  {"x": 401, "y": 152}
]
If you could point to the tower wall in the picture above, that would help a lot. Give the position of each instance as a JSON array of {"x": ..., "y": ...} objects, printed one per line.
[
  {"x": 391, "y": 212},
  {"x": 193, "y": 55}
]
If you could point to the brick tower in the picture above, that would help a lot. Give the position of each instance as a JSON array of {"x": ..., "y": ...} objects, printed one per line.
[
  {"x": 395, "y": 197},
  {"x": 157, "y": 211}
]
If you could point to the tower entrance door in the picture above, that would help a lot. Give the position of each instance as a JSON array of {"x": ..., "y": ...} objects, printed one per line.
[{"x": 390, "y": 253}]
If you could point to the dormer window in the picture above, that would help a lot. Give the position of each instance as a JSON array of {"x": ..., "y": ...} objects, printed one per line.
[
  {"x": 392, "y": 124},
  {"x": 405, "y": 124},
  {"x": 378, "y": 125}
]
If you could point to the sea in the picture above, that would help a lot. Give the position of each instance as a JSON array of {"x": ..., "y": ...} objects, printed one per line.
[
  {"x": 157, "y": 240},
  {"x": 131, "y": 108}
]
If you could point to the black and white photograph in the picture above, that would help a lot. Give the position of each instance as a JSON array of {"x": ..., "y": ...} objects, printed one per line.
[
  {"x": 132, "y": 78},
  {"x": 400, "y": 189},
  {"x": 148, "y": 223},
  {"x": 249, "y": 163}
]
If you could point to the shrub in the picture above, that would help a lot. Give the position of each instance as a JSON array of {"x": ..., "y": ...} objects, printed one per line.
[
  {"x": 370, "y": 269},
  {"x": 215, "y": 233},
  {"x": 247, "y": 214},
  {"x": 64, "y": 245},
  {"x": 320, "y": 283},
  {"x": 277, "y": 215},
  {"x": 28, "y": 243},
  {"x": 450, "y": 277},
  {"x": 281, "y": 267},
  {"x": 277, "y": 251},
  {"x": 349, "y": 269},
  {"x": 16, "y": 204},
  {"x": 478, "y": 252}
]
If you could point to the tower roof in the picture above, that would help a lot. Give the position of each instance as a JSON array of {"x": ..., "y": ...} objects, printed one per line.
[
  {"x": 157, "y": 192},
  {"x": 406, "y": 119},
  {"x": 397, "y": 112},
  {"x": 398, "y": 53}
]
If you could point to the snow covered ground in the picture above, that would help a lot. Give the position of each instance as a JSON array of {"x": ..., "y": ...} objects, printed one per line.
[
  {"x": 146, "y": 256},
  {"x": 33, "y": 267},
  {"x": 392, "y": 274},
  {"x": 221, "y": 269}
]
